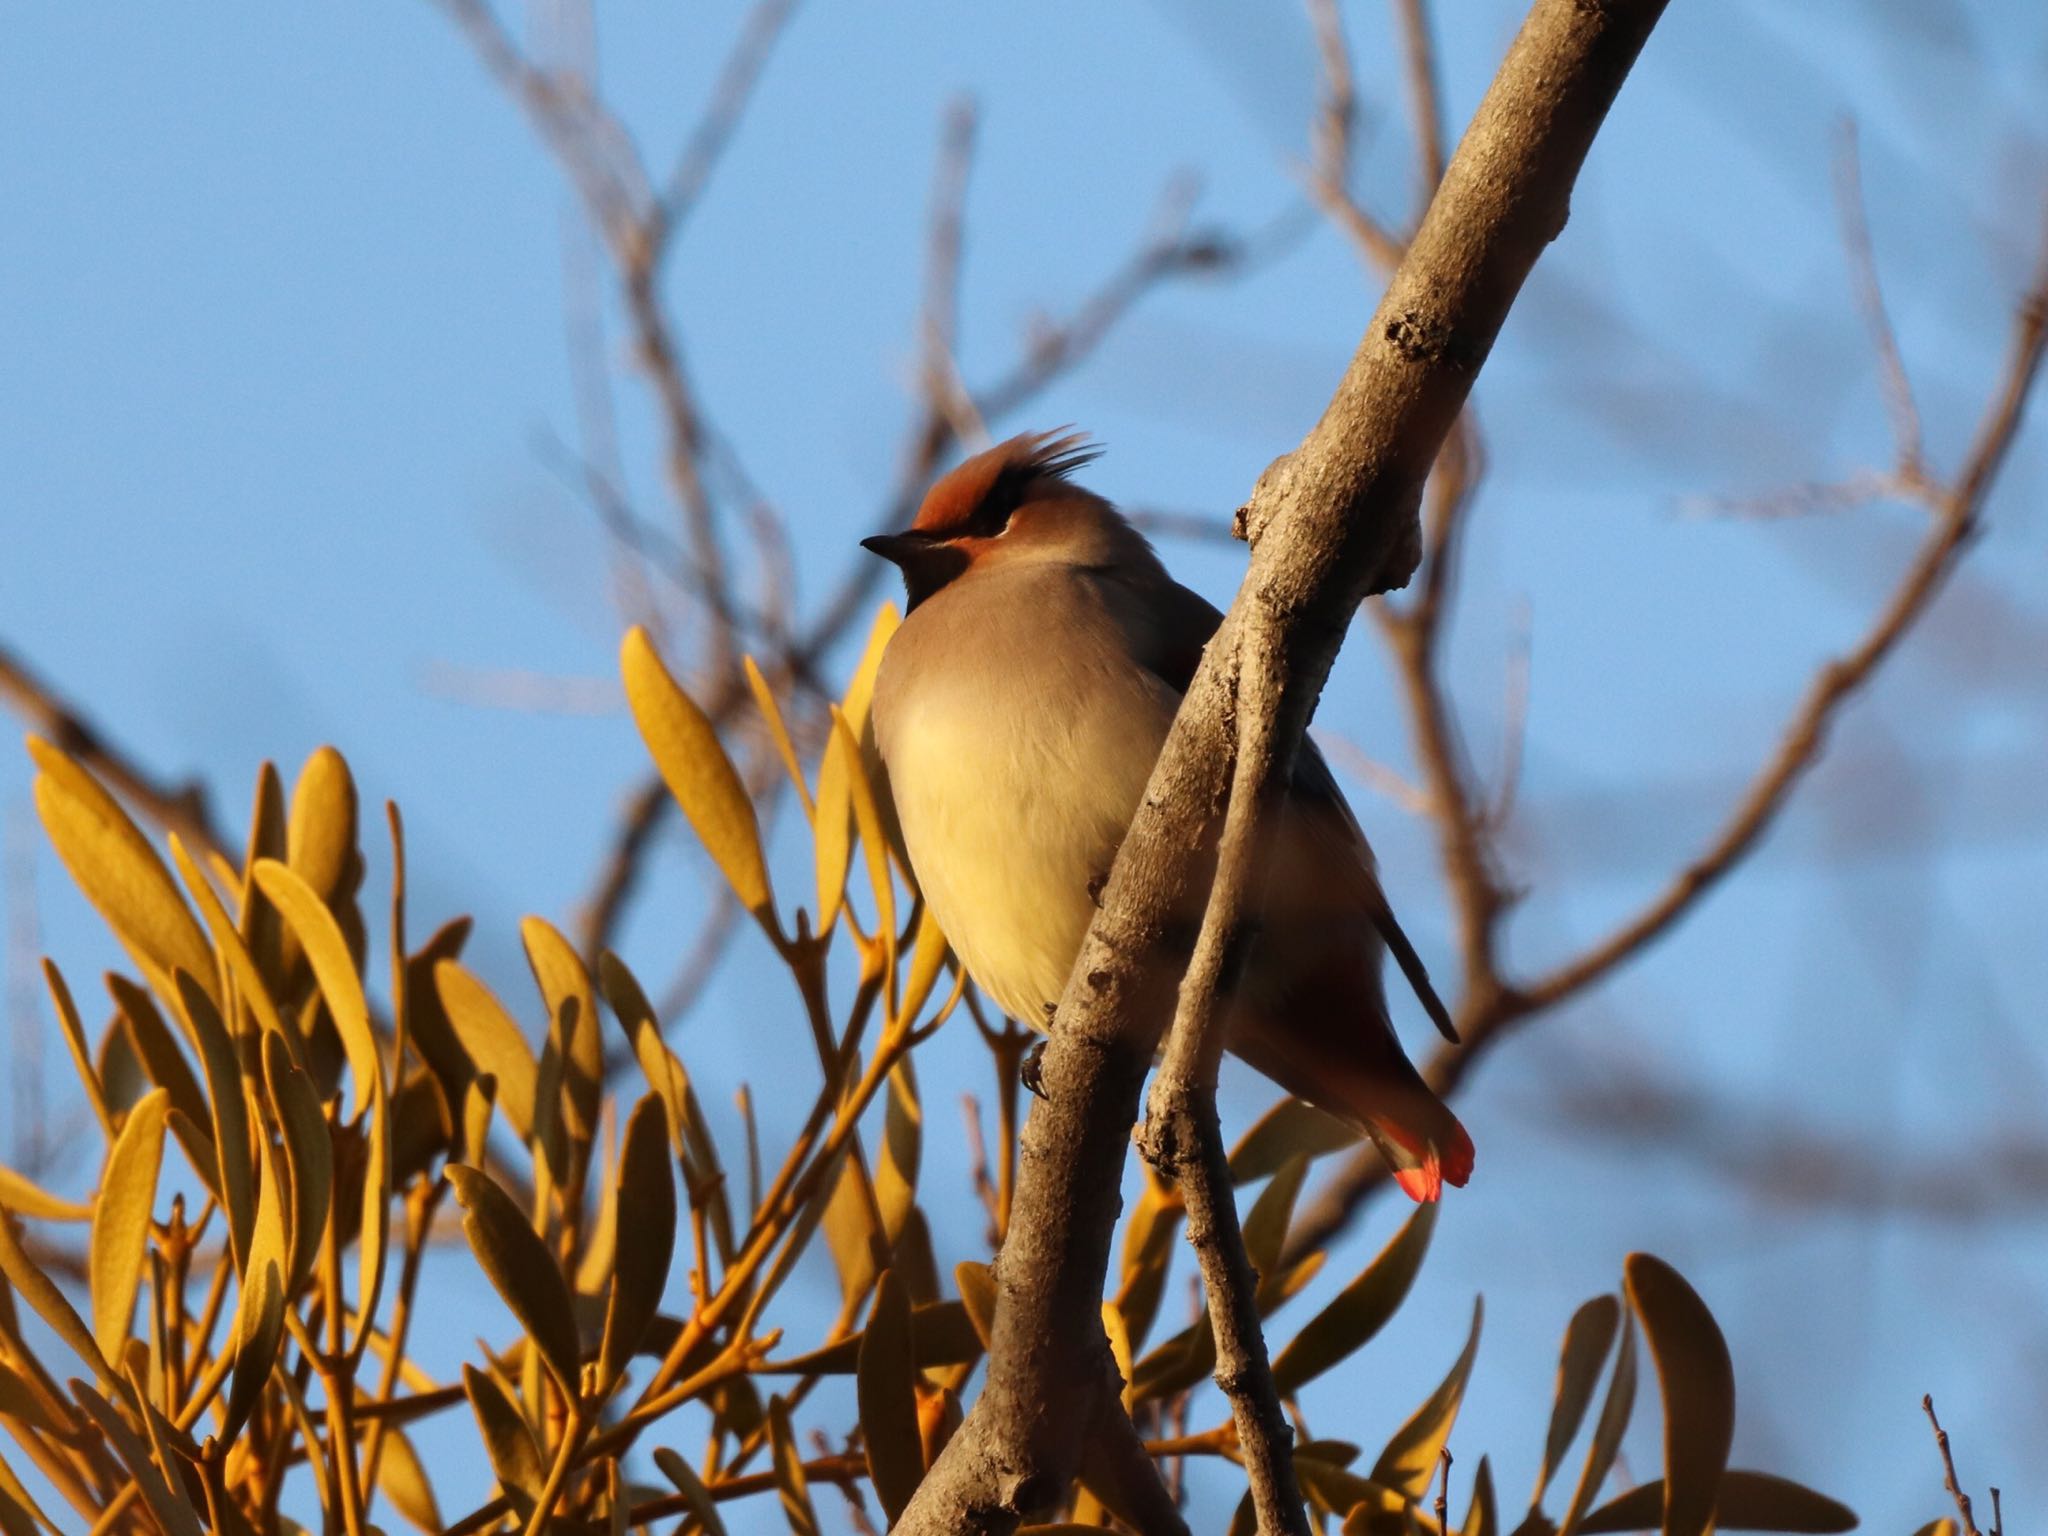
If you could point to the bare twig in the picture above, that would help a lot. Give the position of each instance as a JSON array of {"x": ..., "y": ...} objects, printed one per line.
[
  {"x": 1425, "y": 93},
  {"x": 1182, "y": 1138},
  {"x": 741, "y": 73},
  {"x": 1948, "y": 1469},
  {"x": 1332, "y": 140},
  {"x": 1896, "y": 385}
]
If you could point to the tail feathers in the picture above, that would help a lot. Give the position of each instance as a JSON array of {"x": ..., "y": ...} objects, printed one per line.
[{"x": 1423, "y": 1161}]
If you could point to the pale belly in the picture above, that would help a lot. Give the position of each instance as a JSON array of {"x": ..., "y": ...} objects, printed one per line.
[{"x": 1010, "y": 814}]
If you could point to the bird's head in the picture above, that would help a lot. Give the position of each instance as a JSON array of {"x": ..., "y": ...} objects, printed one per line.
[{"x": 1011, "y": 505}]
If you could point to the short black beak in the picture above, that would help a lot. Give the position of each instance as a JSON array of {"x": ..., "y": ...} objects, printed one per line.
[{"x": 896, "y": 548}]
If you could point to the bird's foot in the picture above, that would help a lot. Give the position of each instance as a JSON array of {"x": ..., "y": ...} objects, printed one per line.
[{"x": 1029, "y": 1069}]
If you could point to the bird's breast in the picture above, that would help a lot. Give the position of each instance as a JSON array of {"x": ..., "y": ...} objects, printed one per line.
[{"x": 1016, "y": 766}]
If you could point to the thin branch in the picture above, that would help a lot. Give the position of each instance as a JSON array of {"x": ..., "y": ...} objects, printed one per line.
[
  {"x": 734, "y": 89},
  {"x": 1332, "y": 141},
  {"x": 1182, "y": 1137},
  {"x": 1425, "y": 92},
  {"x": 1894, "y": 383},
  {"x": 176, "y": 807},
  {"x": 1948, "y": 1469}
]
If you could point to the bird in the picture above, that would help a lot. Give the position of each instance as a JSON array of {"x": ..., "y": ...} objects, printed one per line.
[{"x": 1016, "y": 715}]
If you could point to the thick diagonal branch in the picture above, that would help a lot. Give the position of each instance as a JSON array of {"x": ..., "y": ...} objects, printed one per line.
[{"x": 1329, "y": 523}]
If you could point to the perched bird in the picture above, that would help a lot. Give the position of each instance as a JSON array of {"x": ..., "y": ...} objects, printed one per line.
[{"x": 1018, "y": 712}]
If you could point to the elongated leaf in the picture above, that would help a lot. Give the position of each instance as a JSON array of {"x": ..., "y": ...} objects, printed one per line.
[
  {"x": 320, "y": 839},
  {"x": 494, "y": 1042},
  {"x": 559, "y": 973},
  {"x": 928, "y": 953},
  {"x": 1697, "y": 1380},
  {"x": 403, "y": 1478},
  {"x": 120, "y": 1222},
  {"x": 978, "y": 1294},
  {"x": 26, "y": 1198},
  {"x": 249, "y": 981},
  {"x": 832, "y": 837},
  {"x": 691, "y": 1487},
  {"x": 1483, "y": 1518},
  {"x": 1360, "y": 1310},
  {"x": 853, "y": 1227},
  {"x": 1288, "y": 1130},
  {"x": 80, "y": 1048},
  {"x": 308, "y": 1154},
  {"x": 1148, "y": 1250},
  {"x": 269, "y": 838},
  {"x": 778, "y": 732},
  {"x": 874, "y": 840},
  {"x": 164, "y": 1064},
  {"x": 259, "y": 1331},
  {"x": 1748, "y": 1501},
  {"x": 477, "y": 1103},
  {"x": 1410, "y": 1459},
  {"x": 688, "y": 1134},
  {"x": 20, "y": 1399},
  {"x": 19, "y": 1512},
  {"x": 1587, "y": 1339},
  {"x": 373, "y": 1227},
  {"x": 790, "y": 1482},
  {"x": 270, "y": 1246},
  {"x": 431, "y": 1033},
  {"x": 887, "y": 1393},
  {"x": 1265, "y": 1226},
  {"x": 860, "y": 691},
  {"x": 115, "y": 866},
  {"x": 35, "y": 1288},
  {"x": 698, "y": 773},
  {"x": 645, "y": 1216},
  {"x": 507, "y": 1441},
  {"x": 521, "y": 1268},
  {"x": 334, "y": 968},
  {"x": 902, "y": 1148},
  {"x": 167, "y": 1505},
  {"x": 223, "y": 1067},
  {"x": 1612, "y": 1424}
]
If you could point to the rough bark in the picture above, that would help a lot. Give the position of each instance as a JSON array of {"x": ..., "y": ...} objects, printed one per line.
[{"x": 1329, "y": 523}]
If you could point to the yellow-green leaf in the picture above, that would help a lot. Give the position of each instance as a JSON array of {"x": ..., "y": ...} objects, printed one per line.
[
  {"x": 1148, "y": 1249},
  {"x": 168, "y": 1506},
  {"x": 886, "y": 1389},
  {"x": 1360, "y": 1310},
  {"x": 19, "y": 1512},
  {"x": 1587, "y": 1339},
  {"x": 36, "y": 1288},
  {"x": 1288, "y": 1130},
  {"x": 1410, "y": 1459},
  {"x": 269, "y": 838},
  {"x": 334, "y": 968},
  {"x": 645, "y": 1217},
  {"x": 115, "y": 866},
  {"x": 790, "y": 1482},
  {"x": 978, "y": 1294},
  {"x": 163, "y": 1062},
  {"x": 477, "y": 1103},
  {"x": 403, "y": 1478},
  {"x": 1748, "y": 1501},
  {"x": 374, "y": 1226},
  {"x": 259, "y": 1330},
  {"x": 860, "y": 693},
  {"x": 1265, "y": 1225},
  {"x": 507, "y": 1441},
  {"x": 494, "y": 1042},
  {"x": 853, "y": 1227},
  {"x": 320, "y": 840},
  {"x": 559, "y": 973},
  {"x": 120, "y": 1222},
  {"x": 1483, "y": 1518},
  {"x": 686, "y": 749},
  {"x": 25, "y": 1198},
  {"x": 1697, "y": 1380},
  {"x": 941, "y": 1332},
  {"x": 778, "y": 732},
  {"x": 524, "y": 1272},
  {"x": 867, "y": 818},
  {"x": 1608, "y": 1429},
  {"x": 691, "y": 1487},
  {"x": 928, "y": 953},
  {"x": 249, "y": 981},
  {"x": 80, "y": 1048},
  {"x": 269, "y": 1246},
  {"x": 308, "y": 1155},
  {"x": 832, "y": 836},
  {"x": 223, "y": 1067},
  {"x": 902, "y": 1148}
]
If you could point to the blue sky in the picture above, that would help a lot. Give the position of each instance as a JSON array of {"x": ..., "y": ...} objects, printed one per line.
[{"x": 284, "y": 325}]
